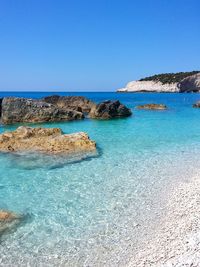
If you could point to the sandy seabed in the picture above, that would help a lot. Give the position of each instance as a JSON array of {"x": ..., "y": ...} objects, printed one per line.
[{"x": 176, "y": 241}]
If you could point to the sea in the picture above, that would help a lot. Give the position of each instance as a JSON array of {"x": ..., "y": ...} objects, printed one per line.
[{"x": 96, "y": 210}]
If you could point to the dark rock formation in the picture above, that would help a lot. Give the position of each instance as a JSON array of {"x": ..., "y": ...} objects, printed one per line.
[
  {"x": 152, "y": 106},
  {"x": 58, "y": 108},
  {"x": 190, "y": 84},
  {"x": 78, "y": 103},
  {"x": 16, "y": 109},
  {"x": 109, "y": 109},
  {"x": 197, "y": 105},
  {"x": 1, "y": 99}
]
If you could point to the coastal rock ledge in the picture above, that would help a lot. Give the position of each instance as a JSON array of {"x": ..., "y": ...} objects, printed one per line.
[
  {"x": 45, "y": 140},
  {"x": 16, "y": 109},
  {"x": 58, "y": 108}
]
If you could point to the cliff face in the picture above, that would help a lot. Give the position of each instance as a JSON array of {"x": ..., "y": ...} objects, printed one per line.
[
  {"x": 191, "y": 83},
  {"x": 150, "y": 86},
  {"x": 188, "y": 84}
]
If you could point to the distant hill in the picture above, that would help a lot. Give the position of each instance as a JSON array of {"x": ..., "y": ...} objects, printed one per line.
[
  {"x": 166, "y": 83},
  {"x": 169, "y": 77}
]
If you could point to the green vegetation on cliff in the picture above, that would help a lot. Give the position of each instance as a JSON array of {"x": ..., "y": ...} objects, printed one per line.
[{"x": 169, "y": 77}]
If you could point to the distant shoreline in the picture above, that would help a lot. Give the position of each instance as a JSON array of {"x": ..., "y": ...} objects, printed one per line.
[
  {"x": 166, "y": 83},
  {"x": 154, "y": 92}
]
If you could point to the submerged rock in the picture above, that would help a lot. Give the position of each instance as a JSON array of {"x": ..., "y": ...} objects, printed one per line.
[
  {"x": 47, "y": 140},
  {"x": 15, "y": 109},
  {"x": 109, "y": 109},
  {"x": 78, "y": 103},
  {"x": 8, "y": 216},
  {"x": 8, "y": 220},
  {"x": 152, "y": 106}
]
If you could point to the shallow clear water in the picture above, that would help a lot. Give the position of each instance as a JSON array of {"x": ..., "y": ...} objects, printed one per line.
[{"x": 93, "y": 211}]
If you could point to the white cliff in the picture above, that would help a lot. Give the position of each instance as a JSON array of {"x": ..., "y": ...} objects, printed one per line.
[
  {"x": 150, "y": 86},
  {"x": 188, "y": 84}
]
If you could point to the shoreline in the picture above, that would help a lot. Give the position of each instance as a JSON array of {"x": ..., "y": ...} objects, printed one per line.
[
  {"x": 176, "y": 241},
  {"x": 156, "y": 92}
]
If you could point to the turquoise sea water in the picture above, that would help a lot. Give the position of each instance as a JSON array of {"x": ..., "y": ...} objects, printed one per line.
[{"x": 94, "y": 212}]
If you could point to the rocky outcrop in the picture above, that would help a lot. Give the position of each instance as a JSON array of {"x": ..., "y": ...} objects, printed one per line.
[
  {"x": 109, "y": 109},
  {"x": 78, "y": 103},
  {"x": 8, "y": 220},
  {"x": 46, "y": 140},
  {"x": 1, "y": 99},
  {"x": 152, "y": 106},
  {"x": 58, "y": 108},
  {"x": 16, "y": 109},
  {"x": 190, "y": 84}
]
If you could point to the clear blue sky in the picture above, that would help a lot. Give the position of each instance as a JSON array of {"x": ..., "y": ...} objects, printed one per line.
[{"x": 95, "y": 45}]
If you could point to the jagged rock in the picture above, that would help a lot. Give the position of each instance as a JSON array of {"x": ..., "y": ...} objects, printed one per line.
[
  {"x": 47, "y": 140},
  {"x": 152, "y": 106},
  {"x": 16, "y": 109},
  {"x": 109, "y": 109},
  {"x": 190, "y": 84},
  {"x": 78, "y": 103}
]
